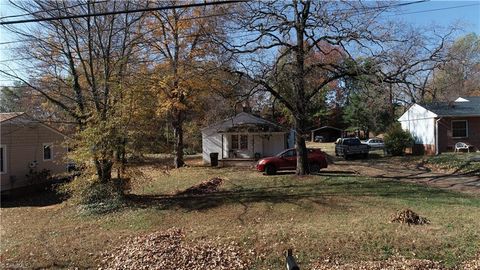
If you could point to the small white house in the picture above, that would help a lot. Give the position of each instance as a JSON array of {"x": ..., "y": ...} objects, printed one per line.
[
  {"x": 243, "y": 137},
  {"x": 437, "y": 127}
]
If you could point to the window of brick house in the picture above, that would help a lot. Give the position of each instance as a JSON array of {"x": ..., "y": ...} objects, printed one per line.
[{"x": 459, "y": 129}]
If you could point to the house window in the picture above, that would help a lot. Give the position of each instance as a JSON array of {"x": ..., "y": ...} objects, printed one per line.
[
  {"x": 239, "y": 142},
  {"x": 243, "y": 142},
  {"x": 459, "y": 129},
  {"x": 47, "y": 151},
  {"x": 3, "y": 159},
  {"x": 234, "y": 141}
]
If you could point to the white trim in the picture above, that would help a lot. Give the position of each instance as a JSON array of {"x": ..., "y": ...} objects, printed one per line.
[
  {"x": 4, "y": 147},
  {"x": 466, "y": 128},
  {"x": 51, "y": 151}
]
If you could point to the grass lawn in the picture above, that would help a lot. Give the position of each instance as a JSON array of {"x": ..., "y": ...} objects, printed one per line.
[
  {"x": 456, "y": 162},
  {"x": 330, "y": 215}
]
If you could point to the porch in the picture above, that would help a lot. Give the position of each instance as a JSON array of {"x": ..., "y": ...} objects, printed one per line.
[{"x": 247, "y": 147}]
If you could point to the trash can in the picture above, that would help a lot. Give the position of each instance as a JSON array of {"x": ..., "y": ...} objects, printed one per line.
[{"x": 214, "y": 159}]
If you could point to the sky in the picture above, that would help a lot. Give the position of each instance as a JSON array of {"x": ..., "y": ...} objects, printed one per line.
[{"x": 429, "y": 14}]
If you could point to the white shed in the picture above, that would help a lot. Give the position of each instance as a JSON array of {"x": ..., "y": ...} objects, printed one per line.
[{"x": 243, "y": 137}]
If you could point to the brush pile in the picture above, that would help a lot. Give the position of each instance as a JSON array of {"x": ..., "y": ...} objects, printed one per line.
[
  {"x": 409, "y": 217},
  {"x": 169, "y": 250},
  {"x": 205, "y": 187}
]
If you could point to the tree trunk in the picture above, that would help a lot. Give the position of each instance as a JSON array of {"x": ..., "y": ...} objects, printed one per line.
[
  {"x": 299, "y": 89},
  {"x": 104, "y": 170},
  {"x": 177, "y": 125},
  {"x": 301, "y": 147}
]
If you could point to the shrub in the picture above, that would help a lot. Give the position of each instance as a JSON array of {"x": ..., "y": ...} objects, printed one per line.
[
  {"x": 94, "y": 197},
  {"x": 397, "y": 140}
]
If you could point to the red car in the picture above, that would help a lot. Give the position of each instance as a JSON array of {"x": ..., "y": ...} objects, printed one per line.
[{"x": 287, "y": 160}]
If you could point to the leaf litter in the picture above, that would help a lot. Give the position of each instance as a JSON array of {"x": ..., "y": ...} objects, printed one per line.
[{"x": 168, "y": 250}]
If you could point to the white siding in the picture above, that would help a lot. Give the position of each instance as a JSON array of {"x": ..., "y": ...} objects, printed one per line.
[
  {"x": 274, "y": 145},
  {"x": 211, "y": 143},
  {"x": 421, "y": 124}
]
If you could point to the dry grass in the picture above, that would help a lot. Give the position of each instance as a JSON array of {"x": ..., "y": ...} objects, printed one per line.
[{"x": 329, "y": 216}]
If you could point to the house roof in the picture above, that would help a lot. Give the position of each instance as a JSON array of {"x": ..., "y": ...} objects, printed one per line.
[
  {"x": 246, "y": 122},
  {"x": 463, "y": 106},
  {"x": 327, "y": 127},
  {"x": 23, "y": 118},
  {"x": 7, "y": 116}
]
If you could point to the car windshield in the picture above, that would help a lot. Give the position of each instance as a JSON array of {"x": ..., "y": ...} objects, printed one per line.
[{"x": 352, "y": 142}]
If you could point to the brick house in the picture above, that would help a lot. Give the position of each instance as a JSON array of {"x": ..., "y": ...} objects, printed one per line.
[{"x": 437, "y": 127}]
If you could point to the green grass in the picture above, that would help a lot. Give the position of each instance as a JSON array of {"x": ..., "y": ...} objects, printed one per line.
[
  {"x": 458, "y": 162},
  {"x": 322, "y": 216}
]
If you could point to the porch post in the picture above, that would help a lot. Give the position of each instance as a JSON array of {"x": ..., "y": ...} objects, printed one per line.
[
  {"x": 253, "y": 145},
  {"x": 222, "y": 145}
]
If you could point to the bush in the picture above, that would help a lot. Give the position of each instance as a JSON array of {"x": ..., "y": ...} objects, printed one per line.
[
  {"x": 94, "y": 197},
  {"x": 397, "y": 140}
]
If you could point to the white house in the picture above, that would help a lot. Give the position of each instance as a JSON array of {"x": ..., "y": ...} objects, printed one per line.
[
  {"x": 243, "y": 137},
  {"x": 437, "y": 127}
]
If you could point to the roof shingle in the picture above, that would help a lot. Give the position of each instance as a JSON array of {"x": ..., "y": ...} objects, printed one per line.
[
  {"x": 8, "y": 116},
  {"x": 457, "y": 108}
]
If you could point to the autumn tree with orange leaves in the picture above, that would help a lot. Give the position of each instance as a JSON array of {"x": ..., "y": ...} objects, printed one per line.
[{"x": 181, "y": 40}]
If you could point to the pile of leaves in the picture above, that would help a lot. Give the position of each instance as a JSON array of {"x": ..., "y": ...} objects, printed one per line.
[
  {"x": 169, "y": 250},
  {"x": 409, "y": 217},
  {"x": 205, "y": 187},
  {"x": 472, "y": 264},
  {"x": 394, "y": 263}
]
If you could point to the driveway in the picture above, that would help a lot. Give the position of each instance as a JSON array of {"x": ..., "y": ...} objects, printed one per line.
[{"x": 407, "y": 170}]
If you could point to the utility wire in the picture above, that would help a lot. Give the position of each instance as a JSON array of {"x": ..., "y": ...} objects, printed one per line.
[
  {"x": 122, "y": 12},
  {"x": 436, "y": 9},
  {"x": 48, "y": 10}
]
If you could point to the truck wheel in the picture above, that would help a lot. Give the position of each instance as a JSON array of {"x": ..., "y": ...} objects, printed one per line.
[
  {"x": 270, "y": 169},
  {"x": 314, "y": 168}
]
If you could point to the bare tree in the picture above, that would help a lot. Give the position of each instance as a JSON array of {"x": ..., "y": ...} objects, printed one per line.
[
  {"x": 299, "y": 29},
  {"x": 82, "y": 66}
]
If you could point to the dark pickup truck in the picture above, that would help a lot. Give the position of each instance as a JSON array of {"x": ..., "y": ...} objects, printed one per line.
[{"x": 348, "y": 147}]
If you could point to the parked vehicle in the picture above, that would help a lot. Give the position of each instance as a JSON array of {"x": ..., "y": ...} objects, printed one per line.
[
  {"x": 349, "y": 147},
  {"x": 375, "y": 143},
  {"x": 319, "y": 138},
  {"x": 287, "y": 160}
]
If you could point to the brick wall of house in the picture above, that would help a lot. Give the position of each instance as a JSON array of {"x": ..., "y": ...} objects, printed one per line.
[{"x": 445, "y": 140}]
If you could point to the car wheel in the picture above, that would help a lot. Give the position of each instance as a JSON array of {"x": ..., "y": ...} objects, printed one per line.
[
  {"x": 270, "y": 169},
  {"x": 314, "y": 168}
]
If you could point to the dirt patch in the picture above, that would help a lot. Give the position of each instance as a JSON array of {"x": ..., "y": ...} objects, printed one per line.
[
  {"x": 205, "y": 187},
  {"x": 169, "y": 250},
  {"x": 409, "y": 217}
]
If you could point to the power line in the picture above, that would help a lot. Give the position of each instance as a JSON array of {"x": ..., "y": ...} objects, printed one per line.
[
  {"x": 48, "y": 10},
  {"x": 122, "y": 12},
  {"x": 436, "y": 9}
]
